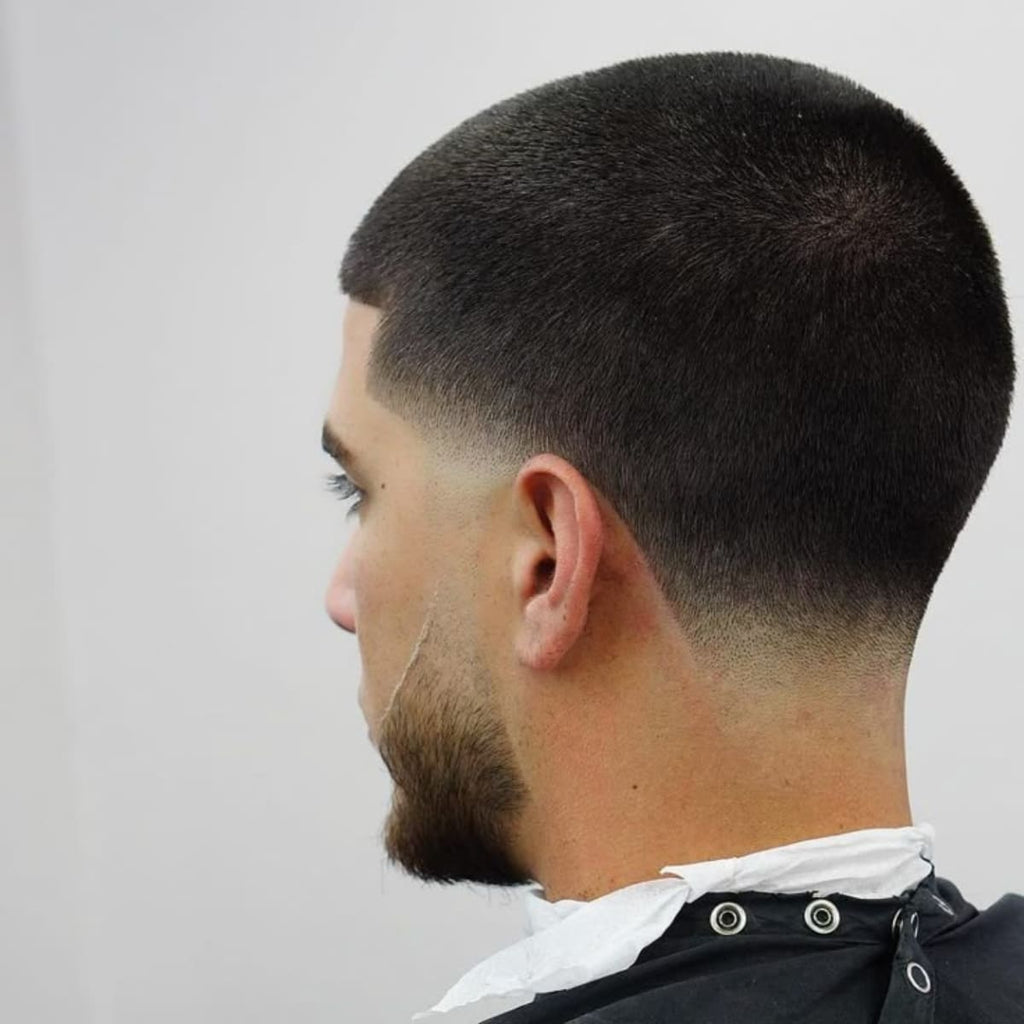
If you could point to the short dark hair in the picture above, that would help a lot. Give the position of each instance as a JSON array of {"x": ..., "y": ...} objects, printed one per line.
[{"x": 747, "y": 298}]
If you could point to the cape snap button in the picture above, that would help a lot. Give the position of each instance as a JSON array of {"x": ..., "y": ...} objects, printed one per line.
[
  {"x": 728, "y": 918},
  {"x": 822, "y": 916},
  {"x": 914, "y": 920},
  {"x": 918, "y": 977}
]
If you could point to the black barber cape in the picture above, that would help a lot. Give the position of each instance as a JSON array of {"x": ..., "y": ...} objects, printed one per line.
[{"x": 924, "y": 957}]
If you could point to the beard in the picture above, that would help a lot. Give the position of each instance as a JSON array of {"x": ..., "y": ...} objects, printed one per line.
[{"x": 459, "y": 794}]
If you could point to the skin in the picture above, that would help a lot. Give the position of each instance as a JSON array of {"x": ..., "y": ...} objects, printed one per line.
[{"x": 542, "y": 715}]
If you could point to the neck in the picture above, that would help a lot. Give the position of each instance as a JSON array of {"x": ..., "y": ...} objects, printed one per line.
[{"x": 707, "y": 782}]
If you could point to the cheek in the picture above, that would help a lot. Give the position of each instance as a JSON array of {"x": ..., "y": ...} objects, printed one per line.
[{"x": 384, "y": 577}]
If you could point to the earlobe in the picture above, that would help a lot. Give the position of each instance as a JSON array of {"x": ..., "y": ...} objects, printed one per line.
[{"x": 557, "y": 564}]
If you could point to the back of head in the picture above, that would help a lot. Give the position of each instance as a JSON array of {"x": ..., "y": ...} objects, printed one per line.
[{"x": 748, "y": 299}]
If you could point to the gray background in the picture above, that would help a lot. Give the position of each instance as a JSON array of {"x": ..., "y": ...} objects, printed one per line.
[{"x": 189, "y": 805}]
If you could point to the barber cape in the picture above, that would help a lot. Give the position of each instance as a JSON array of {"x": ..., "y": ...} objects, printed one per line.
[{"x": 843, "y": 928}]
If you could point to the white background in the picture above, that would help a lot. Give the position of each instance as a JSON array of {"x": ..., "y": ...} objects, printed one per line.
[{"x": 189, "y": 804}]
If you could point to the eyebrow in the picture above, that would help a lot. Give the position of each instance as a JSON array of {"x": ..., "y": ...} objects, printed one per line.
[{"x": 337, "y": 449}]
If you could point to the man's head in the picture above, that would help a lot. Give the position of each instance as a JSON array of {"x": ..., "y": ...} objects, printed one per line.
[{"x": 670, "y": 386}]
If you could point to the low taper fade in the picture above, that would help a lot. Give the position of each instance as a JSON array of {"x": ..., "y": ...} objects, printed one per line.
[{"x": 747, "y": 298}]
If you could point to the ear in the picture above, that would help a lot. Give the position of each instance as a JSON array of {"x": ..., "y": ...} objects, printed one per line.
[{"x": 556, "y": 562}]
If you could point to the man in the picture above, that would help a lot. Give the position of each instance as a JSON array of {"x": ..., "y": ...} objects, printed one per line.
[{"x": 665, "y": 391}]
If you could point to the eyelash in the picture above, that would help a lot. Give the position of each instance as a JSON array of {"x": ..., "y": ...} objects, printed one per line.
[{"x": 341, "y": 485}]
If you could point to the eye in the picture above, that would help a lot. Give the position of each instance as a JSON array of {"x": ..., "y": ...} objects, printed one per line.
[{"x": 345, "y": 489}]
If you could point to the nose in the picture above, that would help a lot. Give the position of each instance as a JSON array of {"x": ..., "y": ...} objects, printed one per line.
[{"x": 340, "y": 599}]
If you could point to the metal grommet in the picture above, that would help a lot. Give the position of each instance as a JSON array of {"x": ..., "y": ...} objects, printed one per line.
[
  {"x": 925, "y": 984},
  {"x": 728, "y": 918},
  {"x": 822, "y": 916},
  {"x": 914, "y": 920}
]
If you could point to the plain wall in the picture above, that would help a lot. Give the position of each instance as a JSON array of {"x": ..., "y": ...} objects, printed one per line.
[
  {"x": 191, "y": 806},
  {"x": 42, "y": 975}
]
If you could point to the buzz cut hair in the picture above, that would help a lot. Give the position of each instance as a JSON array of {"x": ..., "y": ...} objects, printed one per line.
[{"x": 748, "y": 299}]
